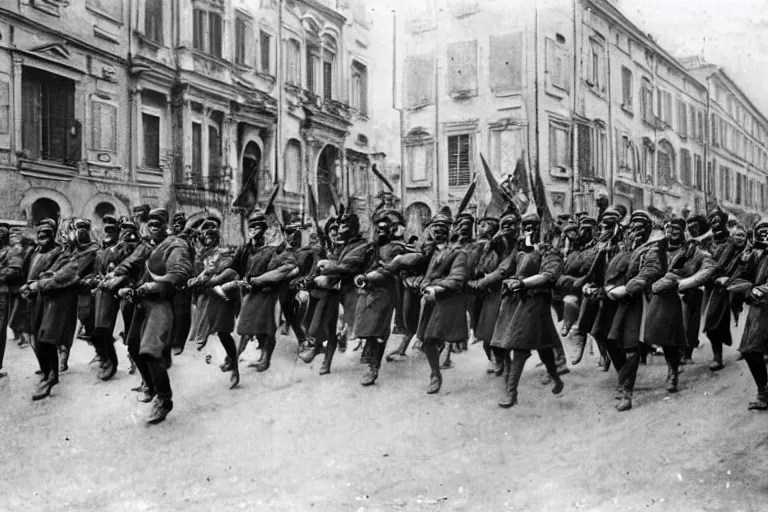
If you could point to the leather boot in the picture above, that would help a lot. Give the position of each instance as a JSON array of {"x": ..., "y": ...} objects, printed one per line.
[
  {"x": 512, "y": 380},
  {"x": 63, "y": 358},
  {"x": 44, "y": 389},
  {"x": 160, "y": 409},
  {"x": 560, "y": 361},
  {"x": 761, "y": 403},
  {"x": 310, "y": 350},
  {"x": 672, "y": 376},
  {"x": 325, "y": 368},
  {"x": 625, "y": 402},
  {"x": 399, "y": 353},
  {"x": 375, "y": 348},
  {"x": 266, "y": 357},
  {"x": 445, "y": 357},
  {"x": 717, "y": 363},
  {"x": 579, "y": 343},
  {"x": 435, "y": 382}
]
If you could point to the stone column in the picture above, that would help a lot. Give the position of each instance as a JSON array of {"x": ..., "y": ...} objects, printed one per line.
[{"x": 15, "y": 109}]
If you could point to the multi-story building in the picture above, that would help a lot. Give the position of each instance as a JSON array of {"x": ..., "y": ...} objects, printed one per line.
[
  {"x": 568, "y": 98},
  {"x": 190, "y": 104}
]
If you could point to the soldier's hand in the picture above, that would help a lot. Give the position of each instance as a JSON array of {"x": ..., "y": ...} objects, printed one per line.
[
  {"x": 721, "y": 281},
  {"x": 34, "y": 287},
  {"x": 429, "y": 293},
  {"x": 192, "y": 283},
  {"x": 617, "y": 293}
]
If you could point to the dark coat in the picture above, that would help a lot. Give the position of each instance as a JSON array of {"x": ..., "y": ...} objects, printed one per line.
[
  {"x": 445, "y": 319},
  {"x": 376, "y": 302},
  {"x": 257, "y": 313},
  {"x": 491, "y": 270},
  {"x": 214, "y": 314},
  {"x": 753, "y": 270},
  {"x": 665, "y": 322},
  {"x": 636, "y": 270},
  {"x": 151, "y": 329},
  {"x": 717, "y": 319},
  {"x": 40, "y": 262},
  {"x": 525, "y": 320}
]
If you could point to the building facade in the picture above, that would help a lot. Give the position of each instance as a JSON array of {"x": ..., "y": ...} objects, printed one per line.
[
  {"x": 567, "y": 98},
  {"x": 196, "y": 105}
]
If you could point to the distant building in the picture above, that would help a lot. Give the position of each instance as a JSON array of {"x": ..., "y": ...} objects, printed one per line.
[
  {"x": 570, "y": 100},
  {"x": 177, "y": 104}
]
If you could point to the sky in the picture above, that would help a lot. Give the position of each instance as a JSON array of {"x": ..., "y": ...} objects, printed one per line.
[{"x": 732, "y": 34}]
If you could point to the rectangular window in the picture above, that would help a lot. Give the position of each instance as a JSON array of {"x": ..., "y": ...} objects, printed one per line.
[
  {"x": 5, "y": 106},
  {"x": 198, "y": 29},
  {"x": 648, "y": 164},
  {"x": 739, "y": 189},
  {"x": 715, "y": 139},
  {"x": 505, "y": 62},
  {"x": 292, "y": 62},
  {"x": 601, "y": 152},
  {"x": 313, "y": 69},
  {"x": 700, "y": 117},
  {"x": 596, "y": 65},
  {"x": 710, "y": 185},
  {"x": 112, "y": 8},
  {"x": 359, "y": 86},
  {"x": 646, "y": 99},
  {"x": 682, "y": 118},
  {"x": 214, "y": 34},
  {"x": 558, "y": 65},
  {"x": 49, "y": 128},
  {"x": 685, "y": 167},
  {"x": 692, "y": 127},
  {"x": 699, "y": 183},
  {"x": 462, "y": 67},
  {"x": 420, "y": 158},
  {"x": 103, "y": 127},
  {"x": 420, "y": 80},
  {"x": 459, "y": 160},
  {"x": 151, "y": 138},
  {"x": 265, "y": 40},
  {"x": 584, "y": 146},
  {"x": 197, "y": 154},
  {"x": 327, "y": 80},
  {"x": 153, "y": 20},
  {"x": 559, "y": 146},
  {"x": 214, "y": 155},
  {"x": 626, "y": 88},
  {"x": 241, "y": 41}
]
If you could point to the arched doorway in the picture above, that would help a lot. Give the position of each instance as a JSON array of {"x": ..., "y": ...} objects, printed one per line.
[
  {"x": 417, "y": 215},
  {"x": 45, "y": 208},
  {"x": 250, "y": 166},
  {"x": 104, "y": 208},
  {"x": 327, "y": 180}
]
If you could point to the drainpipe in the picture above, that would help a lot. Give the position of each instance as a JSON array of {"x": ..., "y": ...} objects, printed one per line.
[
  {"x": 574, "y": 130},
  {"x": 403, "y": 201},
  {"x": 611, "y": 132},
  {"x": 279, "y": 79}
]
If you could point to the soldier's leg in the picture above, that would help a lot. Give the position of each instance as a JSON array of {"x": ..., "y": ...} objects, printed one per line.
[
  {"x": 163, "y": 403},
  {"x": 672, "y": 357},
  {"x": 627, "y": 377},
  {"x": 512, "y": 377},
  {"x": 757, "y": 368},
  {"x": 268, "y": 344},
  {"x": 49, "y": 352},
  {"x": 549, "y": 358},
  {"x": 432, "y": 349}
]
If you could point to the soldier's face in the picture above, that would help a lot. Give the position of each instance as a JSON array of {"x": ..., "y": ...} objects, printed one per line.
[
  {"x": 44, "y": 237},
  {"x": 673, "y": 232},
  {"x": 465, "y": 228},
  {"x": 693, "y": 229},
  {"x": 256, "y": 230},
  {"x": 716, "y": 223},
  {"x": 383, "y": 231},
  {"x": 761, "y": 234},
  {"x": 510, "y": 228},
  {"x": 572, "y": 235},
  {"x": 439, "y": 232},
  {"x": 156, "y": 228},
  {"x": 485, "y": 230},
  {"x": 740, "y": 237},
  {"x": 178, "y": 228}
]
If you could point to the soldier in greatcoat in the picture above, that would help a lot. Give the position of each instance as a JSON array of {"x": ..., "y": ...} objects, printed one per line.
[
  {"x": 751, "y": 278},
  {"x": 525, "y": 320},
  {"x": 497, "y": 262},
  {"x": 377, "y": 298},
  {"x": 306, "y": 257},
  {"x": 597, "y": 310},
  {"x": 20, "y": 310},
  {"x": 61, "y": 288},
  {"x": 717, "y": 316},
  {"x": 628, "y": 280},
  {"x": 155, "y": 268},
  {"x": 579, "y": 258},
  {"x": 11, "y": 275},
  {"x": 334, "y": 286},
  {"x": 693, "y": 300},
  {"x": 686, "y": 268},
  {"x": 46, "y": 254},
  {"x": 443, "y": 317},
  {"x": 216, "y": 310},
  {"x": 182, "y": 298},
  {"x": 263, "y": 269}
]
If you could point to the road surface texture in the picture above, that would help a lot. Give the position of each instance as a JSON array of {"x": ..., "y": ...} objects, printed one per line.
[{"x": 304, "y": 442}]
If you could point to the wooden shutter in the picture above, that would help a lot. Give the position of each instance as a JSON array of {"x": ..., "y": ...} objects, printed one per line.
[
  {"x": 214, "y": 34},
  {"x": 197, "y": 154},
  {"x": 462, "y": 67},
  {"x": 506, "y": 62},
  {"x": 31, "y": 111},
  {"x": 214, "y": 154},
  {"x": 103, "y": 127},
  {"x": 264, "y": 47},
  {"x": 151, "y": 126},
  {"x": 328, "y": 80},
  {"x": 584, "y": 143},
  {"x": 419, "y": 78},
  {"x": 198, "y": 31},
  {"x": 5, "y": 106}
]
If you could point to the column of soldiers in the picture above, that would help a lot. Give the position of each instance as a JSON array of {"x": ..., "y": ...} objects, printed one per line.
[{"x": 499, "y": 279}]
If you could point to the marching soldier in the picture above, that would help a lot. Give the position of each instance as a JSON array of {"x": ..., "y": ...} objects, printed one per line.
[
  {"x": 263, "y": 269},
  {"x": 629, "y": 278},
  {"x": 10, "y": 275},
  {"x": 685, "y": 268},
  {"x": 499, "y": 253},
  {"x": 20, "y": 309},
  {"x": 525, "y": 322},
  {"x": 751, "y": 278},
  {"x": 216, "y": 310},
  {"x": 334, "y": 286},
  {"x": 156, "y": 267},
  {"x": 182, "y": 298},
  {"x": 693, "y": 299},
  {"x": 306, "y": 257},
  {"x": 377, "y": 298}
]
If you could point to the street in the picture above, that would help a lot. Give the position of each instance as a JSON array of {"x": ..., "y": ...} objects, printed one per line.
[{"x": 299, "y": 441}]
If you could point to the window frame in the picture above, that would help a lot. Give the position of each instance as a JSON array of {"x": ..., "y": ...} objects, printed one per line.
[
  {"x": 114, "y": 105},
  {"x": 155, "y": 112},
  {"x": 470, "y": 154}
]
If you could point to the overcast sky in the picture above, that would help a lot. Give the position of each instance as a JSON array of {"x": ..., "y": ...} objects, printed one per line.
[{"x": 729, "y": 33}]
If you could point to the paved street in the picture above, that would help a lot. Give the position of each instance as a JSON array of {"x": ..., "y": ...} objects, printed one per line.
[{"x": 324, "y": 443}]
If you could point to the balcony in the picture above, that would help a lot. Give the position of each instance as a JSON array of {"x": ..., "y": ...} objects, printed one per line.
[{"x": 198, "y": 190}]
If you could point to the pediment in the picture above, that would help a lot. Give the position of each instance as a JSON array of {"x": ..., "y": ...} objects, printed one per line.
[{"x": 53, "y": 50}]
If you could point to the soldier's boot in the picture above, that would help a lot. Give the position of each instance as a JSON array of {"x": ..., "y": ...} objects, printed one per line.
[
  {"x": 761, "y": 403},
  {"x": 368, "y": 355},
  {"x": 445, "y": 356},
  {"x": 515, "y": 365},
  {"x": 44, "y": 389},
  {"x": 560, "y": 361},
  {"x": 673, "y": 370},
  {"x": 330, "y": 350},
  {"x": 399, "y": 353},
  {"x": 625, "y": 401},
  {"x": 132, "y": 368},
  {"x": 432, "y": 351},
  {"x": 266, "y": 355},
  {"x": 605, "y": 360},
  {"x": 376, "y": 354},
  {"x": 506, "y": 362},
  {"x": 160, "y": 410},
  {"x": 310, "y": 350},
  {"x": 260, "y": 362},
  {"x": 51, "y": 360},
  {"x": 578, "y": 341},
  {"x": 63, "y": 358},
  {"x": 717, "y": 358},
  {"x": 435, "y": 383}
]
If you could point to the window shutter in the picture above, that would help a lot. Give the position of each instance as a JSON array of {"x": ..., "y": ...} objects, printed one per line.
[
  {"x": 462, "y": 67},
  {"x": 506, "y": 62},
  {"x": 5, "y": 106},
  {"x": 420, "y": 85},
  {"x": 31, "y": 107}
]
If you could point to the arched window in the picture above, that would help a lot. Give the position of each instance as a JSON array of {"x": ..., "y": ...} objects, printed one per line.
[{"x": 292, "y": 166}]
